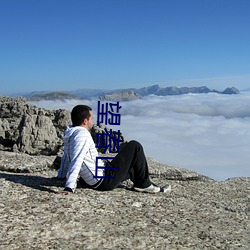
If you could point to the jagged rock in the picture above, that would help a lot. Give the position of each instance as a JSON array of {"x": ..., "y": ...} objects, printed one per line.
[
  {"x": 37, "y": 133},
  {"x": 26, "y": 128}
]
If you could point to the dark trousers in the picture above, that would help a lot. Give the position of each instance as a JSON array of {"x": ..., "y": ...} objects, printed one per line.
[{"x": 131, "y": 163}]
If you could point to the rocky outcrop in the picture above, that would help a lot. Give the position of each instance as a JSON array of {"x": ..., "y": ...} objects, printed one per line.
[
  {"x": 28, "y": 129},
  {"x": 126, "y": 95}
]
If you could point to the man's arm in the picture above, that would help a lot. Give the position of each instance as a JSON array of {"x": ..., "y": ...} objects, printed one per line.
[{"x": 77, "y": 150}]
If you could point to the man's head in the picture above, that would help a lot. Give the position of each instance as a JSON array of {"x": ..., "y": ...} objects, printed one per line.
[{"x": 81, "y": 115}]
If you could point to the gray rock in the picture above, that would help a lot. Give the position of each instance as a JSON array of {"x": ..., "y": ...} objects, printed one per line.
[
  {"x": 23, "y": 163},
  {"x": 197, "y": 214},
  {"x": 26, "y": 128},
  {"x": 37, "y": 133}
]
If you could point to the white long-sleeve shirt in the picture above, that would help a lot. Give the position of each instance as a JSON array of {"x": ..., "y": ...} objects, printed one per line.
[{"x": 79, "y": 158}]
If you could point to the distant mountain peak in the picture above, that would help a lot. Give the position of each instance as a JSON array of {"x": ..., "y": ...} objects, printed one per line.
[
  {"x": 53, "y": 96},
  {"x": 230, "y": 91},
  {"x": 125, "y": 95}
]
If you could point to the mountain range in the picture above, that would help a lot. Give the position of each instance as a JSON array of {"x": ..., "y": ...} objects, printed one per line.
[{"x": 123, "y": 94}]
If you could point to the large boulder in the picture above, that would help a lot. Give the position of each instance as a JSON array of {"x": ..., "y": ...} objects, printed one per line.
[
  {"x": 27, "y": 128},
  {"x": 37, "y": 133}
]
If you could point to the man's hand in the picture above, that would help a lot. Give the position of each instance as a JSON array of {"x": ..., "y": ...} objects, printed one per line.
[{"x": 66, "y": 191}]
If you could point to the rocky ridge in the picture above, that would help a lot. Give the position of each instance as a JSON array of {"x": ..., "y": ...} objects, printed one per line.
[
  {"x": 199, "y": 213},
  {"x": 136, "y": 93},
  {"x": 53, "y": 96},
  {"x": 173, "y": 90}
]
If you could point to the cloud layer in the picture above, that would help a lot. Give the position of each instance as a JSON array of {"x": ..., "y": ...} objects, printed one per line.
[{"x": 208, "y": 133}]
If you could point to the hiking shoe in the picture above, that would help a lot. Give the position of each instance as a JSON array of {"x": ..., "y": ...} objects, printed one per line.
[{"x": 154, "y": 189}]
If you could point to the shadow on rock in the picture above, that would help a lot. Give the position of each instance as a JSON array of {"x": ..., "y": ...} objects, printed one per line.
[{"x": 35, "y": 182}]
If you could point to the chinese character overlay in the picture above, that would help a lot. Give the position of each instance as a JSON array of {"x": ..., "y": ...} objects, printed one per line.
[
  {"x": 109, "y": 140},
  {"x": 103, "y": 113},
  {"x": 106, "y": 167},
  {"x": 108, "y": 113}
]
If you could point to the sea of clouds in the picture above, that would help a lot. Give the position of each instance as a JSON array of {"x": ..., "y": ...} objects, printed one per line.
[{"x": 207, "y": 133}]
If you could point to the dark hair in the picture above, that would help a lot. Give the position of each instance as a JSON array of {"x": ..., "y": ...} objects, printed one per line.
[{"x": 79, "y": 113}]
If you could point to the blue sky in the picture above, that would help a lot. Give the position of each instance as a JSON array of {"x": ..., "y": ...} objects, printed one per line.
[{"x": 71, "y": 44}]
